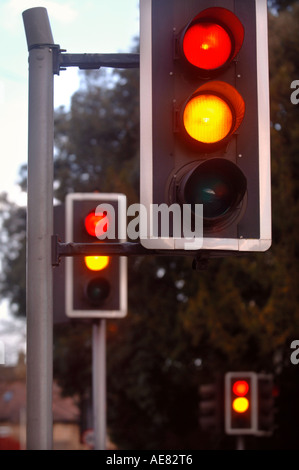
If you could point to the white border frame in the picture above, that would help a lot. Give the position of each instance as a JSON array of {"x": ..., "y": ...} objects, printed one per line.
[
  {"x": 122, "y": 213},
  {"x": 146, "y": 148}
]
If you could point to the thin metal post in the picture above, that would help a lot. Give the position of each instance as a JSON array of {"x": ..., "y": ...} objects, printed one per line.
[
  {"x": 240, "y": 443},
  {"x": 99, "y": 383},
  {"x": 39, "y": 231}
]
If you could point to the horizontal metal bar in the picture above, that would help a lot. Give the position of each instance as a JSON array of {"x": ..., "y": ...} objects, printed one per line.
[
  {"x": 60, "y": 249},
  {"x": 96, "y": 61}
]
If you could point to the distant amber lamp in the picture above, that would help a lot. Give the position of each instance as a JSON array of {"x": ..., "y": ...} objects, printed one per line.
[{"x": 240, "y": 404}]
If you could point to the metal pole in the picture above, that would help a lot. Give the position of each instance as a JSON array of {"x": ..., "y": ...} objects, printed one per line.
[
  {"x": 240, "y": 443},
  {"x": 99, "y": 384},
  {"x": 39, "y": 231}
]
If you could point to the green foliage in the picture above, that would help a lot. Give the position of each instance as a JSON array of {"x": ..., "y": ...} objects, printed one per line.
[{"x": 13, "y": 254}]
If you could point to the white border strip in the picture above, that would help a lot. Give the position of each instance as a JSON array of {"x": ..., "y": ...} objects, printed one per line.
[{"x": 264, "y": 122}]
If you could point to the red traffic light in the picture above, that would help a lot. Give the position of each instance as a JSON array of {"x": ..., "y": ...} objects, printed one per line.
[
  {"x": 91, "y": 223},
  {"x": 240, "y": 388},
  {"x": 207, "y": 45},
  {"x": 212, "y": 39}
]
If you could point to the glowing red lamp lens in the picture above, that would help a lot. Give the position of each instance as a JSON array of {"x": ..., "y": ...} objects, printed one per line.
[
  {"x": 91, "y": 221},
  {"x": 240, "y": 388},
  {"x": 207, "y": 45}
]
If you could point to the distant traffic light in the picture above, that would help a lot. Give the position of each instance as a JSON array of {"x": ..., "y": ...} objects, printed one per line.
[
  {"x": 240, "y": 403},
  {"x": 249, "y": 403},
  {"x": 205, "y": 123},
  {"x": 266, "y": 404},
  {"x": 211, "y": 406},
  {"x": 96, "y": 286}
]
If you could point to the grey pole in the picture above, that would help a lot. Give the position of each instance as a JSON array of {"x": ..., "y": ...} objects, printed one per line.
[
  {"x": 99, "y": 383},
  {"x": 39, "y": 231}
]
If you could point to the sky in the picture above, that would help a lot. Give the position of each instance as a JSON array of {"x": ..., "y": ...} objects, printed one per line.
[{"x": 90, "y": 26}]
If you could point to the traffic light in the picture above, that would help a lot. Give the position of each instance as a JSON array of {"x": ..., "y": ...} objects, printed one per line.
[
  {"x": 241, "y": 403},
  {"x": 211, "y": 406},
  {"x": 96, "y": 286},
  {"x": 205, "y": 127},
  {"x": 266, "y": 404}
]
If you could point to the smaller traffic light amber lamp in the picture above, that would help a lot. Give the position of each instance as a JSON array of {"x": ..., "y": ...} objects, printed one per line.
[{"x": 96, "y": 263}]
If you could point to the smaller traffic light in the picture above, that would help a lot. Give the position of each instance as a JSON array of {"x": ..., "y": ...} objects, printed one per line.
[
  {"x": 266, "y": 404},
  {"x": 240, "y": 403},
  {"x": 96, "y": 285},
  {"x": 211, "y": 406}
]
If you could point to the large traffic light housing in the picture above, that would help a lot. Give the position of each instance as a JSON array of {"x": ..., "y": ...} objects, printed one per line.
[
  {"x": 205, "y": 128},
  {"x": 96, "y": 286}
]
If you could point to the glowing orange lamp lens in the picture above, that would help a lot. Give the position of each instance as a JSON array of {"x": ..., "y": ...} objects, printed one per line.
[
  {"x": 240, "y": 404},
  {"x": 96, "y": 263},
  {"x": 207, "y": 45},
  {"x": 207, "y": 118},
  {"x": 91, "y": 221},
  {"x": 240, "y": 388}
]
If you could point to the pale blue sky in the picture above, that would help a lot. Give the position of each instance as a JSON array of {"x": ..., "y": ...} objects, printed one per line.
[{"x": 89, "y": 26}]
